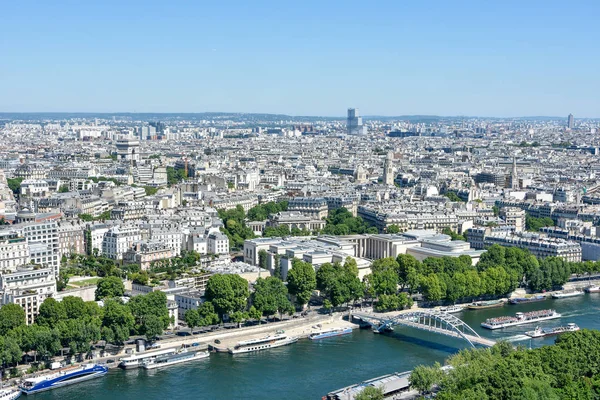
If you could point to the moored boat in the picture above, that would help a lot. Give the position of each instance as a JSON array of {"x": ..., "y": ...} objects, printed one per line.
[
  {"x": 520, "y": 319},
  {"x": 182, "y": 356},
  {"x": 10, "y": 394},
  {"x": 452, "y": 309},
  {"x": 329, "y": 333},
  {"x": 524, "y": 300},
  {"x": 64, "y": 377},
  {"x": 542, "y": 332},
  {"x": 482, "y": 305},
  {"x": 567, "y": 293},
  {"x": 268, "y": 342},
  {"x": 593, "y": 289},
  {"x": 137, "y": 360}
]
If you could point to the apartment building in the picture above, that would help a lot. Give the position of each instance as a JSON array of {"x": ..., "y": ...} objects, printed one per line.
[{"x": 28, "y": 287}]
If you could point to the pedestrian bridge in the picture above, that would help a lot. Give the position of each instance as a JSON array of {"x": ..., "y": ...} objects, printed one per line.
[{"x": 427, "y": 320}]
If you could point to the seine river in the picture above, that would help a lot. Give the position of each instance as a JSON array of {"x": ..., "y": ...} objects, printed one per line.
[{"x": 309, "y": 370}]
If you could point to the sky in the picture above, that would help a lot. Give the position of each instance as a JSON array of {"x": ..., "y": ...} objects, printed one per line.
[{"x": 476, "y": 58}]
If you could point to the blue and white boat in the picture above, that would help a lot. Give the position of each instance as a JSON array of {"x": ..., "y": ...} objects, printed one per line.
[
  {"x": 64, "y": 377},
  {"x": 329, "y": 333}
]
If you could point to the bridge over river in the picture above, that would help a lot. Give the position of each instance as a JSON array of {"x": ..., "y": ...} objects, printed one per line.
[{"x": 429, "y": 320}]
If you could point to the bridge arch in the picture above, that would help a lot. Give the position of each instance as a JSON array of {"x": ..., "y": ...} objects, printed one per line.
[{"x": 429, "y": 320}]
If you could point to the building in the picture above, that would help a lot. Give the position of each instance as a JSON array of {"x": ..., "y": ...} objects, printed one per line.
[
  {"x": 218, "y": 243},
  {"x": 44, "y": 255},
  {"x": 118, "y": 240},
  {"x": 316, "y": 207},
  {"x": 70, "y": 238},
  {"x": 28, "y": 287},
  {"x": 514, "y": 178},
  {"x": 35, "y": 188},
  {"x": 354, "y": 123},
  {"x": 514, "y": 216},
  {"x": 294, "y": 219},
  {"x": 539, "y": 245},
  {"x": 388, "y": 170},
  {"x": 570, "y": 121},
  {"x": 189, "y": 300},
  {"x": 146, "y": 253},
  {"x": 128, "y": 149},
  {"x": 14, "y": 251},
  {"x": 497, "y": 178}
]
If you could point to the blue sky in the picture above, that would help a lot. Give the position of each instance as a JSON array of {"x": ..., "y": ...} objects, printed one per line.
[{"x": 487, "y": 58}]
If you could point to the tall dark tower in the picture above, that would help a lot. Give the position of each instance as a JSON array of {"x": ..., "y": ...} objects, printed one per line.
[{"x": 570, "y": 122}]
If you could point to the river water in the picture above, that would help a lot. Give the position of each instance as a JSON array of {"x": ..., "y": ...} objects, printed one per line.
[{"x": 309, "y": 370}]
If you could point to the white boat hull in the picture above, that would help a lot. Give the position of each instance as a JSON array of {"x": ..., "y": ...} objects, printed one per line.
[
  {"x": 566, "y": 295},
  {"x": 508, "y": 324},
  {"x": 198, "y": 356},
  {"x": 259, "y": 347}
]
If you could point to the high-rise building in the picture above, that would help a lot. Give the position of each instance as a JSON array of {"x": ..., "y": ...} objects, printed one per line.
[
  {"x": 354, "y": 123},
  {"x": 388, "y": 169},
  {"x": 570, "y": 122}
]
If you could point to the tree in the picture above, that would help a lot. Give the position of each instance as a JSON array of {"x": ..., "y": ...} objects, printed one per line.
[
  {"x": 238, "y": 317},
  {"x": 10, "y": 352},
  {"x": 452, "y": 196},
  {"x": 110, "y": 287},
  {"x": 370, "y": 393},
  {"x": 327, "y": 305},
  {"x": 351, "y": 266},
  {"x": 62, "y": 281},
  {"x": 302, "y": 280},
  {"x": 14, "y": 184},
  {"x": 262, "y": 259},
  {"x": 192, "y": 319},
  {"x": 51, "y": 312},
  {"x": 63, "y": 189},
  {"x": 393, "y": 229},
  {"x": 385, "y": 276},
  {"x": 152, "y": 326},
  {"x": 41, "y": 339},
  {"x": 423, "y": 378},
  {"x": 75, "y": 307},
  {"x": 152, "y": 304},
  {"x": 117, "y": 322},
  {"x": 432, "y": 288},
  {"x": 254, "y": 313},
  {"x": 407, "y": 264},
  {"x": 79, "y": 334},
  {"x": 270, "y": 296},
  {"x": 325, "y": 276},
  {"x": 11, "y": 316},
  {"x": 208, "y": 315},
  {"x": 227, "y": 293}
]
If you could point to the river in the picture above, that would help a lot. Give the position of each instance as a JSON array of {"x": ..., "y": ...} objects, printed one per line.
[{"x": 309, "y": 370}]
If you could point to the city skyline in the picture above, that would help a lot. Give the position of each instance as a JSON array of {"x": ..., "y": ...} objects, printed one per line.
[{"x": 508, "y": 60}]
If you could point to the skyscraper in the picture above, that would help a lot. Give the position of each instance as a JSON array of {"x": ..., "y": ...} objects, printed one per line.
[
  {"x": 570, "y": 122},
  {"x": 354, "y": 123}
]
